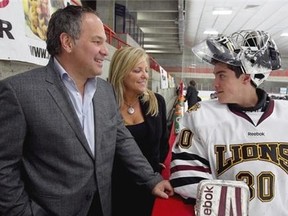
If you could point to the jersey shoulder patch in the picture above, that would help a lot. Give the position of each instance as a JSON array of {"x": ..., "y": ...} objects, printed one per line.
[{"x": 195, "y": 107}]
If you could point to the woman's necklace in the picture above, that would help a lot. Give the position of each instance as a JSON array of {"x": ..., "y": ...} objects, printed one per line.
[{"x": 130, "y": 109}]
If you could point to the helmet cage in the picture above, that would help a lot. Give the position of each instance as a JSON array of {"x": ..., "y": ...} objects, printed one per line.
[{"x": 253, "y": 51}]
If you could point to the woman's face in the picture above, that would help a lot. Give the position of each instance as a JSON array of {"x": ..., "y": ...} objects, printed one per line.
[{"x": 137, "y": 78}]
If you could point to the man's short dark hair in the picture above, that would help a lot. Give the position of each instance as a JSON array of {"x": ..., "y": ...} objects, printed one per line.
[
  {"x": 192, "y": 82},
  {"x": 237, "y": 69}
]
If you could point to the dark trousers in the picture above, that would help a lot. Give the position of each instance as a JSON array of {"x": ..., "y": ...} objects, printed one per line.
[{"x": 95, "y": 208}]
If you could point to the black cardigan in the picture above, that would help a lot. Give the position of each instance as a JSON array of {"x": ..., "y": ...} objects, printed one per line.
[{"x": 158, "y": 132}]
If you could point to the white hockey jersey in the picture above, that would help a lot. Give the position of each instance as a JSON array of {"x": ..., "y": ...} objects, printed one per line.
[{"x": 216, "y": 142}]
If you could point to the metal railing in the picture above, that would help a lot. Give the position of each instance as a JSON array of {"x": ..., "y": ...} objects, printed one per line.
[{"x": 115, "y": 41}]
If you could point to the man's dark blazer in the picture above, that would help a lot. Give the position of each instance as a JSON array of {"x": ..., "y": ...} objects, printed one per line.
[{"x": 46, "y": 165}]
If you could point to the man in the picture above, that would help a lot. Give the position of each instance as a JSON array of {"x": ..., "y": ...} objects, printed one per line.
[
  {"x": 60, "y": 128},
  {"x": 241, "y": 135},
  {"x": 192, "y": 94}
]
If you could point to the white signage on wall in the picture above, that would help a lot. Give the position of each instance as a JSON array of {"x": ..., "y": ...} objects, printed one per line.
[
  {"x": 283, "y": 90},
  {"x": 23, "y": 25},
  {"x": 164, "y": 78},
  {"x": 171, "y": 81}
]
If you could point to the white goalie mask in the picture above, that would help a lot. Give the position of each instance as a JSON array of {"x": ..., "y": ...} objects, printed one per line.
[{"x": 253, "y": 51}]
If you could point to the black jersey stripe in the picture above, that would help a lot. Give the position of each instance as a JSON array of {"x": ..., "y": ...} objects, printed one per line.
[{"x": 186, "y": 156}]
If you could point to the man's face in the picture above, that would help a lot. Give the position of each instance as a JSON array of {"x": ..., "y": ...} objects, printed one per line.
[
  {"x": 229, "y": 88},
  {"x": 90, "y": 49}
]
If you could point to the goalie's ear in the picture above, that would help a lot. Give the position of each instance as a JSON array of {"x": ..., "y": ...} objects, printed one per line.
[{"x": 222, "y": 197}]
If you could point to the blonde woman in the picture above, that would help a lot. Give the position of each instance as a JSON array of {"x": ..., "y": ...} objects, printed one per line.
[{"x": 144, "y": 114}]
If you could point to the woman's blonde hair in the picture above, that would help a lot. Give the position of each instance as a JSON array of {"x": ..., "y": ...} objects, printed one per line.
[{"x": 122, "y": 63}]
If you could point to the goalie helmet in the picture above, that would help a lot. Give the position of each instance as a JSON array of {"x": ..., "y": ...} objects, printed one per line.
[{"x": 253, "y": 51}]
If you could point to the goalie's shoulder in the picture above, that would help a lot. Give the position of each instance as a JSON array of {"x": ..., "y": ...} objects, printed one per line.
[
  {"x": 207, "y": 106},
  {"x": 281, "y": 105},
  {"x": 204, "y": 113}
]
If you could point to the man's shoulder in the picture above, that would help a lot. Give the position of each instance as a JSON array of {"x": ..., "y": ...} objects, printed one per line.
[
  {"x": 104, "y": 86},
  {"x": 26, "y": 75},
  {"x": 101, "y": 81}
]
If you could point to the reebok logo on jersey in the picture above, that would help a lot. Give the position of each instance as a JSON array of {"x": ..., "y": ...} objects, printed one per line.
[{"x": 256, "y": 134}]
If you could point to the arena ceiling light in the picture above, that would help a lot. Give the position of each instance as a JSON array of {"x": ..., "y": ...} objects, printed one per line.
[
  {"x": 284, "y": 34},
  {"x": 222, "y": 11},
  {"x": 211, "y": 32}
]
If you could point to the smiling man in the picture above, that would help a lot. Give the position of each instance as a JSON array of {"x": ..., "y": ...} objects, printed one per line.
[{"x": 61, "y": 128}]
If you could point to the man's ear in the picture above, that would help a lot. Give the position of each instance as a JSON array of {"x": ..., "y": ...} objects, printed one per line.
[
  {"x": 66, "y": 42},
  {"x": 246, "y": 78}
]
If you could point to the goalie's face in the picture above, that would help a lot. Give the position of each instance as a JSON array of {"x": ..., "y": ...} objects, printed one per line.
[{"x": 229, "y": 88}]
